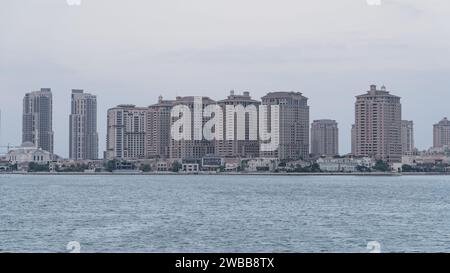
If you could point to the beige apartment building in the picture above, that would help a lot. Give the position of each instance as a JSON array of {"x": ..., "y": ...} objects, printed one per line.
[
  {"x": 324, "y": 138},
  {"x": 378, "y": 118},
  {"x": 441, "y": 134},
  {"x": 240, "y": 139},
  {"x": 293, "y": 125},
  {"x": 158, "y": 129},
  {"x": 193, "y": 148},
  {"x": 126, "y": 132},
  {"x": 137, "y": 133}
]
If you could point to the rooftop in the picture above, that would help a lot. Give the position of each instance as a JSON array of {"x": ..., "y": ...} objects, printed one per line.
[
  {"x": 244, "y": 97},
  {"x": 374, "y": 92},
  {"x": 282, "y": 94},
  {"x": 444, "y": 122}
]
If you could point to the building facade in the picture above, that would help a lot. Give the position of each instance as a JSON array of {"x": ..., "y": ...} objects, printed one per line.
[
  {"x": 293, "y": 125},
  {"x": 126, "y": 132},
  {"x": 37, "y": 119},
  {"x": 441, "y": 134},
  {"x": 240, "y": 140},
  {"x": 324, "y": 138},
  {"x": 28, "y": 153},
  {"x": 344, "y": 164},
  {"x": 158, "y": 129},
  {"x": 195, "y": 147},
  {"x": 408, "y": 147},
  {"x": 378, "y": 118},
  {"x": 262, "y": 164},
  {"x": 83, "y": 136}
]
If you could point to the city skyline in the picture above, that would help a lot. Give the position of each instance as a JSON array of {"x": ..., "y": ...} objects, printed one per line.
[
  {"x": 173, "y": 102},
  {"x": 232, "y": 135},
  {"x": 329, "y": 50}
]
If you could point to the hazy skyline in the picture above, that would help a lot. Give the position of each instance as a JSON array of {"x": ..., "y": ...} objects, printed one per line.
[{"x": 134, "y": 51}]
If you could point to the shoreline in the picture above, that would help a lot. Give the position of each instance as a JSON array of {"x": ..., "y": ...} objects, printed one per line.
[{"x": 217, "y": 174}]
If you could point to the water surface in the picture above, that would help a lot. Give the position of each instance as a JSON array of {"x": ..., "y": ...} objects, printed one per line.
[{"x": 224, "y": 213}]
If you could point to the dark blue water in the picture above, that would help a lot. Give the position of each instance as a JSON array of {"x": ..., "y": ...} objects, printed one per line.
[{"x": 224, "y": 213}]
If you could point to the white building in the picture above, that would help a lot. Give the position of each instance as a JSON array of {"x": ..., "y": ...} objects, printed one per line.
[
  {"x": 28, "y": 153},
  {"x": 345, "y": 164},
  {"x": 414, "y": 160},
  {"x": 445, "y": 150},
  {"x": 162, "y": 166},
  {"x": 262, "y": 164}
]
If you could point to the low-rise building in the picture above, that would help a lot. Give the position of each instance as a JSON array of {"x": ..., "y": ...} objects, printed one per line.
[
  {"x": 444, "y": 150},
  {"x": 232, "y": 164},
  {"x": 29, "y": 153},
  {"x": 231, "y": 167},
  {"x": 262, "y": 165},
  {"x": 415, "y": 160},
  {"x": 212, "y": 163},
  {"x": 344, "y": 164},
  {"x": 162, "y": 166},
  {"x": 295, "y": 164},
  {"x": 190, "y": 167}
]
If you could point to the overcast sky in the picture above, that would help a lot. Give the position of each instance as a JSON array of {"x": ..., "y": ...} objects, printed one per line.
[{"x": 132, "y": 51}]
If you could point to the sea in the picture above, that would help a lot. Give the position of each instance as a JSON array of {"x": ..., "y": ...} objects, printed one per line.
[{"x": 236, "y": 213}]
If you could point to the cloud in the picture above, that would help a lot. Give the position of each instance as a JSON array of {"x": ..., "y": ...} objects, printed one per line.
[{"x": 146, "y": 47}]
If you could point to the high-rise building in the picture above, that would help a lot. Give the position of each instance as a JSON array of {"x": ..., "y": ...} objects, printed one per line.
[
  {"x": 37, "y": 119},
  {"x": 441, "y": 134},
  {"x": 293, "y": 125},
  {"x": 378, "y": 118},
  {"x": 126, "y": 132},
  {"x": 407, "y": 137},
  {"x": 324, "y": 138},
  {"x": 197, "y": 146},
  {"x": 158, "y": 129},
  {"x": 83, "y": 136},
  {"x": 240, "y": 138},
  {"x": 353, "y": 132}
]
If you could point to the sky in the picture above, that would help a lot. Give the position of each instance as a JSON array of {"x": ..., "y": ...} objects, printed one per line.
[{"x": 133, "y": 51}]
